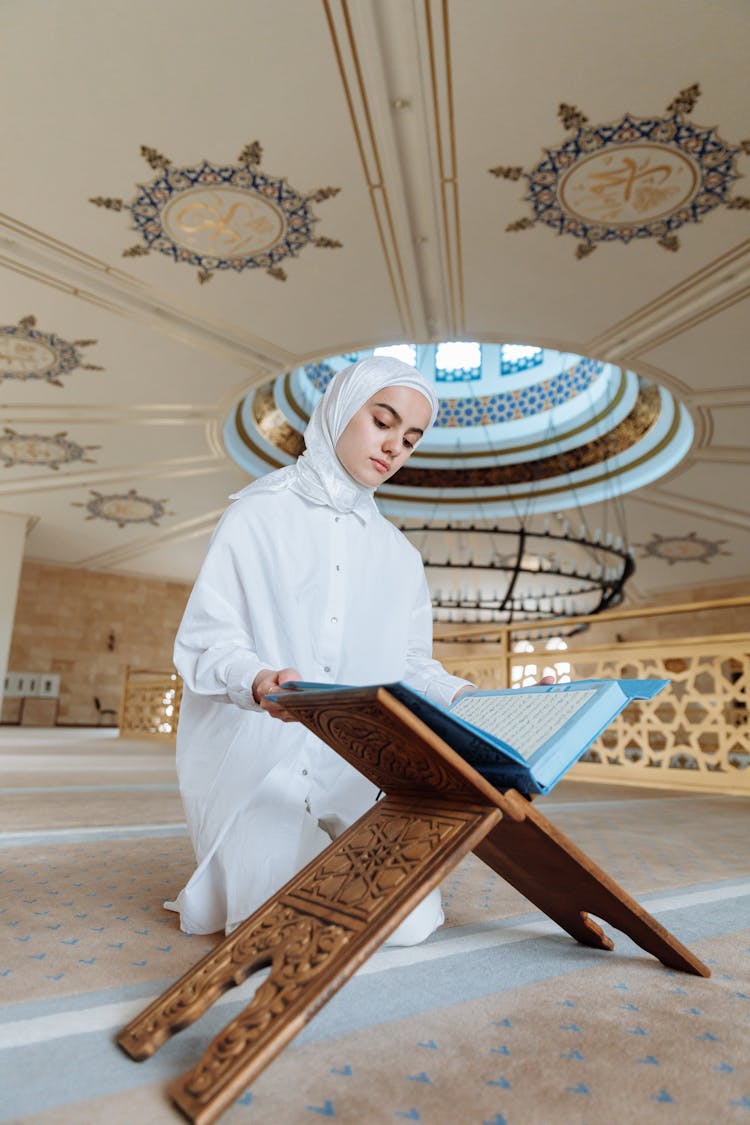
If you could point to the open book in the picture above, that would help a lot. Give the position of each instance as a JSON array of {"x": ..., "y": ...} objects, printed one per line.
[{"x": 519, "y": 738}]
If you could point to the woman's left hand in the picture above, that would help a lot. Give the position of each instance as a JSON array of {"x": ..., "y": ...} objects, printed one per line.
[{"x": 267, "y": 683}]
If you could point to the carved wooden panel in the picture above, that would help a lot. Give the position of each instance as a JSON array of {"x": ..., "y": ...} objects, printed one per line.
[
  {"x": 313, "y": 934},
  {"x": 301, "y": 953},
  {"x": 375, "y": 857},
  {"x": 394, "y": 749},
  {"x": 333, "y": 915},
  {"x": 276, "y": 929}
]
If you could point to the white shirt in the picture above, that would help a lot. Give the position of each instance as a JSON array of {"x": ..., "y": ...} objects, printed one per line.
[{"x": 286, "y": 583}]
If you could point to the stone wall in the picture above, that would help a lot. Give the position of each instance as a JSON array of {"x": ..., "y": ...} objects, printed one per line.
[{"x": 87, "y": 627}]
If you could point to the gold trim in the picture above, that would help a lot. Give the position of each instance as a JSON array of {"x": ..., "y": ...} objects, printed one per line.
[
  {"x": 686, "y": 325},
  {"x": 402, "y": 301},
  {"x": 603, "y": 340},
  {"x": 491, "y": 452},
  {"x": 245, "y": 438},
  {"x": 536, "y": 493},
  {"x": 454, "y": 166},
  {"x": 272, "y": 424},
  {"x": 449, "y": 184},
  {"x": 479, "y": 500},
  {"x": 625, "y": 435},
  {"x": 304, "y": 418}
]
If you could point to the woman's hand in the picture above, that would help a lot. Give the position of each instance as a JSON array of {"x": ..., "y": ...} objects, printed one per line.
[{"x": 266, "y": 683}]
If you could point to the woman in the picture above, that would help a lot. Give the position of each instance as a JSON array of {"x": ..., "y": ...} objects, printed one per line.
[{"x": 304, "y": 579}]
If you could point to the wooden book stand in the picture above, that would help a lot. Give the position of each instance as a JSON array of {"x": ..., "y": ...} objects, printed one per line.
[{"x": 317, "y": 931}]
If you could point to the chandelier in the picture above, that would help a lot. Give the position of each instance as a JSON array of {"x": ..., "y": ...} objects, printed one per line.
[{"x": 486, "y": 573}]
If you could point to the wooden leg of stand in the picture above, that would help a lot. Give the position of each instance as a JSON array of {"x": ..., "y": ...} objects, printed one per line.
[
  {"x": 314, "y": 934},
  {"x": 538, "y": 860}
]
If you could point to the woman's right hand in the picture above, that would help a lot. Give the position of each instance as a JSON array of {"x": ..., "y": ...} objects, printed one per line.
[{"x": 267, "y": 682}]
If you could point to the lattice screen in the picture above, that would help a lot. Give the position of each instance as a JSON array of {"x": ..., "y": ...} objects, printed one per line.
[
  {"x": 151, "y": 704},
  {"x": 695, "y": 734}
]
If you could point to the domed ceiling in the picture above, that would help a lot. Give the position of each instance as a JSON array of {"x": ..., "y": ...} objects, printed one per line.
[
  {"x": 519, "y": 430},
  {"x": 206, "y": 210}
]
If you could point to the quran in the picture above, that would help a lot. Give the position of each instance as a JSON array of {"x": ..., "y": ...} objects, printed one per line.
[{"x": 517, "y": 738}]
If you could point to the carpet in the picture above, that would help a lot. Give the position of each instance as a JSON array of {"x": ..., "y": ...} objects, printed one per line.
[{"x": 499, "y": 1019}]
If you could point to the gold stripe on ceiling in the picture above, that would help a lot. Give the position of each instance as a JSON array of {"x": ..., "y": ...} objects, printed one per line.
[
  {"x": 624, "y": 436},
  {"x": 536, "y": 493},
  {"x": 460, "y": 501},
  {"x": 692, "y": 322},
  {"x": 461, "y": 455},
  {"x": 272, "y": 423},
  {"x": 245, "y": 438},
  {"x": 376, "y": 187},
  {"x": 448, "y": 180},
  {"x": 277, "y": 431},
  {"x": 289, "y": 396},
  {"x": 454, "y": 168},
  {"x": 664, "y": 299}
]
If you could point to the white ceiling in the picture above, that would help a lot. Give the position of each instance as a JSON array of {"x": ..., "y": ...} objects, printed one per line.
[{"x": 403, "y": 105}]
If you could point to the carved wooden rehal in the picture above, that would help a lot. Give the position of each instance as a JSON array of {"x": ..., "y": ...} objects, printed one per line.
[{"x": 318, "y": 929}]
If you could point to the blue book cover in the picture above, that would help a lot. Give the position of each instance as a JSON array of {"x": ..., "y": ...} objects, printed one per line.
[{"x": 518, "y": 738}]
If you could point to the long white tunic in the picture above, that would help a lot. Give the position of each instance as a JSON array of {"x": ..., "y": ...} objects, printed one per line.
[{"x": 285, "y": 583}]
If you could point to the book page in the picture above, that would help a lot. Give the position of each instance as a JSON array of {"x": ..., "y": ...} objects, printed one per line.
[{"x": 524, "y": 720}]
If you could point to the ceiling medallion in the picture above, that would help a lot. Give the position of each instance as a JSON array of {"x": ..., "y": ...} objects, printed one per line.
[
  {"x": 26, "y": 353},
  {"x": 222, "y": 217},
  {"x": 35, "y": 449},
  {"x": 124, "y": 508},
  {"x": 682, "y": 548},
  {"x": 638, "y": 177}
]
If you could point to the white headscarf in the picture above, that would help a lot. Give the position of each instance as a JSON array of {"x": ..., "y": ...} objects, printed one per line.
[{"x": 318, "y": 474}]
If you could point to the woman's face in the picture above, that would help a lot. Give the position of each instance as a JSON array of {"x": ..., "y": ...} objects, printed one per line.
[{"x": 382, "y": 434}]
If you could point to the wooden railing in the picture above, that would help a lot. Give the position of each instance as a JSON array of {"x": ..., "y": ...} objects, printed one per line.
[{"x": 695, "y": 735}]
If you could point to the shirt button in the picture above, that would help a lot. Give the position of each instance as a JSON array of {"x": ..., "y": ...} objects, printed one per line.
[
  {"x": 336, "y": 519},
  {"x": 327, "y": 668},
  {"x": 304, "y": 773},
  {"x": 334, "y": 620},
  {"x": 338, "y": 567}
]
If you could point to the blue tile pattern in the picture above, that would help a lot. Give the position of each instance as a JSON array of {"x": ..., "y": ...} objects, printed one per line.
[{"x": 487, "y": 410}]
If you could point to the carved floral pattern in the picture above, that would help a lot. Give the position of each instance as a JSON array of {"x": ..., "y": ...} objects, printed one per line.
[{"x": 366, "y": 734}]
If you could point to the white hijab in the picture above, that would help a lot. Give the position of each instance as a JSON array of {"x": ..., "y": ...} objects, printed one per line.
[{"x": 318, "y": 475}]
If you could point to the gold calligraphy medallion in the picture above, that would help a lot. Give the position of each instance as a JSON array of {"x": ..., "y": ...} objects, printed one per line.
[
  {"x": 636, "y": 178},
  {"x": 632, "y": 185},
  {"x": 223, "y": 222},
  {"x": 222, "y": 217}
]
